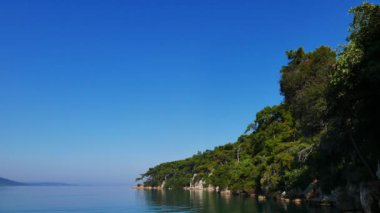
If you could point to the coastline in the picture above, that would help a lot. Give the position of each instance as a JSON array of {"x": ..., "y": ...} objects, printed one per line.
[{"x": 326, "y": 202}]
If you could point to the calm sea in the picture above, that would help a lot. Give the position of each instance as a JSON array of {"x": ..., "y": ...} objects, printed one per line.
[{"x": 111, "y": 199}]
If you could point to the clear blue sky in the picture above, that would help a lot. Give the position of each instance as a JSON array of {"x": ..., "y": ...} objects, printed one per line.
[{"x": 99, "y": 91}]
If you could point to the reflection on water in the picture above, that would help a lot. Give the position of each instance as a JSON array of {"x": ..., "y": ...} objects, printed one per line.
[
  {"x": 115, "y": 199},
  {"x": 203, "y": 201}
]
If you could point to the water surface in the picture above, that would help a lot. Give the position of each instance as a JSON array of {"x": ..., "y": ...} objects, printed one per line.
[{"x": 124, "y": 199}]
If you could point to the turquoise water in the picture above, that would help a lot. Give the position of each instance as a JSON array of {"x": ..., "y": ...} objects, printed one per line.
[{"x": 124, "y": 199}]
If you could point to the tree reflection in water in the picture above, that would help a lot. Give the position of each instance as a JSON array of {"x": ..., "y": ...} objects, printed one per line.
[{"x": 204, "y": 201}]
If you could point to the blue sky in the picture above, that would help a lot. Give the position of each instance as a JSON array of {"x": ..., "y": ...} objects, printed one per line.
[{"x": 99, "y": 91}]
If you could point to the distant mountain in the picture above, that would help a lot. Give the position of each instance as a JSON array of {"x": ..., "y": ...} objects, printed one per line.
[
  {"x": 7, "y": 182},
  {"x": 48, "y": 184}
]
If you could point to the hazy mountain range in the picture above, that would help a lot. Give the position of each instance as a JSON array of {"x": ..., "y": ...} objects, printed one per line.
[{"x": 7, "y": 182}]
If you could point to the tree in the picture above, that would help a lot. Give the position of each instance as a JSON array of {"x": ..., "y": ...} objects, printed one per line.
[
  {"x": 304, "y": 83},
  {"x": 355, "y": 92}
]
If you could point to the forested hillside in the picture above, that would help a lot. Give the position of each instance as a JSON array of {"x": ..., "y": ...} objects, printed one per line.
[{"x": 326, "y": 129}]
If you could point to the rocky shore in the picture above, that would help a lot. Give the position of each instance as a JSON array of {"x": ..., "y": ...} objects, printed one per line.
[{"x": 352, "y": 198}]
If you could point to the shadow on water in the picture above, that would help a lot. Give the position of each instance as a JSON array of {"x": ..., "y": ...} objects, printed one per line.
[{"x": 203, "y": 201}]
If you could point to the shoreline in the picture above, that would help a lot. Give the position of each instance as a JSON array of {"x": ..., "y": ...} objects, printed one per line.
[{"x": 323, "y": 202}]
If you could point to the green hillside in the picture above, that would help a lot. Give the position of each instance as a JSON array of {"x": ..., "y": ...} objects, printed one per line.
[{"x": 326, "y": 128}]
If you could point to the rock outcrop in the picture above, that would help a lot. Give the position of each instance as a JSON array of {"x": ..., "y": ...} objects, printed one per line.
[{"x": 370, "y": 196}]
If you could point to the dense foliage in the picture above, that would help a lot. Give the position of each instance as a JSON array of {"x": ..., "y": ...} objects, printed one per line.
[{"x": 325, "y": 129}]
